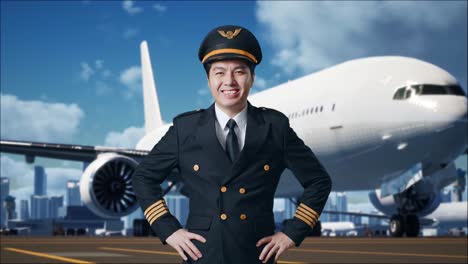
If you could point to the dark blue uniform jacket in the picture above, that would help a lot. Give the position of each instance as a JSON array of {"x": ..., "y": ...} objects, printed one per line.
[{"x": 231, "y": 203}]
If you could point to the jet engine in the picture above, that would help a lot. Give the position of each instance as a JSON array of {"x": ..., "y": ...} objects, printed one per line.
[
  {"x": 106, "y": 186},
  {"x": 420, "y": 199}
]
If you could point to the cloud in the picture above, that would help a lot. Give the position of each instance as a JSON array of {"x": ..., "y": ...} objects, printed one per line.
[
  {"x": 99, "y": 74},
  {"x": 21, "y": 177},
  {"x": 130, "y": 33},
  {"x": 86, "y": 71},
  {"x": 37, "y": 120},
  {"x": 310, "y": 35},
  {"x": 131, "y": 78},
  {"x": 130, "y": 8},
  {"x": 260, "y": 83},
  {"x": 160, "y": 8},
  {"x": 126, "y": 139}
]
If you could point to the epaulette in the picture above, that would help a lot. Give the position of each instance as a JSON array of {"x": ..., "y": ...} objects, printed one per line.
[{"x": 190, "y": 113}]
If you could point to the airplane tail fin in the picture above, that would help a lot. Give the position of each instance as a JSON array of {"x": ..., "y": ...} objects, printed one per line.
[{"x": 153, "y": 117}]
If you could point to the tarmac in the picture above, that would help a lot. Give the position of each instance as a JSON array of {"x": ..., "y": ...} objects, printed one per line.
[{"x": 23, "y": 249}]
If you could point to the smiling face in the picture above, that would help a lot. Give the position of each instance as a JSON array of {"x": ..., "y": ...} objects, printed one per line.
[{"x": 230, "y": 82}]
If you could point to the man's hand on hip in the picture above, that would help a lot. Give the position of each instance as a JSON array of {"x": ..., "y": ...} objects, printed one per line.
[
  {"x": 180, "y": 240},
  {"x": 277, "y": 243}
]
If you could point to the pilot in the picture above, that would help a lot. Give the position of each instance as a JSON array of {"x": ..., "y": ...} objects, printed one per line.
[{"x": 230, "y": 157}]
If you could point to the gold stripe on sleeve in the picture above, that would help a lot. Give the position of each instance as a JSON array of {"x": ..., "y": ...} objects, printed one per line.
[
  {"x": 300, "y": 209},
  {"x": 305, "y": 220},
  {"x": 153, "y": 205},
  {"x": 309, "y": 209},
  {"x": 157, "y": 216},
  {"x": 306, "y": 217},
  {"x": 156, "y": 210}
]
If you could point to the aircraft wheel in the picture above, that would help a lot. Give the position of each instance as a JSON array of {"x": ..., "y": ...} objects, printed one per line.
[
  {"x": 397, "y": 225},
  {"x": 412, "y": 226}
]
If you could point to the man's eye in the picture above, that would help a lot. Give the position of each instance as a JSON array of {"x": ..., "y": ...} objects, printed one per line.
[
  {"x": 218, "y": 73},
  {"x": 239, "y": 72}
]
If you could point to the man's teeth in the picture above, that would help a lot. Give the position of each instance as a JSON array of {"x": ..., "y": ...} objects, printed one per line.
[{"x": 230, "y": 92}]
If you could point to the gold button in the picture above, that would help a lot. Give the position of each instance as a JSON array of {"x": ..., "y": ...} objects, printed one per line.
[
  {"x": 196, "y": 167},
  {"x": 266, "y": 167},
  {"x": 223, "y": 189},
  {"x": 241, "y": 190},
  {"x": 243, "y": 216},
  {"x": 223, "y": 216}
]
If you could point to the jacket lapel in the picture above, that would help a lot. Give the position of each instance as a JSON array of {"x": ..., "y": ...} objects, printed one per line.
[
  {"x": 256, "y": 134},
  {"x": 206, "y": 136}
]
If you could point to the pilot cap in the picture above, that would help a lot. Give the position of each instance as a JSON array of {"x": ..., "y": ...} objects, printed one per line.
[{"x": 230, "y": 42}]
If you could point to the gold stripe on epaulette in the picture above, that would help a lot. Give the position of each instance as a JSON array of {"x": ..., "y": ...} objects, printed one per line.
[
  {"x": 305, "y": 220},
  {"x": 157, "y": 216},
  {"x": 307, "y": 208},
  {"x": 155, "y": 211},
  {"x": 154, "y": 205},
  {"x": 308, "y": 214}
]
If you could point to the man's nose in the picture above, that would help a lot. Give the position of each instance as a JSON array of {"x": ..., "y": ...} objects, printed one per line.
[{"x": 229, "y": 79}]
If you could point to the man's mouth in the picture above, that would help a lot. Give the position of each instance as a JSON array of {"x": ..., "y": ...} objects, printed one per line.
[{"x": 230, "y": 92}]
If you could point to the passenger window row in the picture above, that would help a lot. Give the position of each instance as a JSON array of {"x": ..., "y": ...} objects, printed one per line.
[{"x": 308, "y": 111}]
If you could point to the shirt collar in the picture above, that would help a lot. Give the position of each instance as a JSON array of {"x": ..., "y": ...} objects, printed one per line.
[{"x": 223, "y": 118}]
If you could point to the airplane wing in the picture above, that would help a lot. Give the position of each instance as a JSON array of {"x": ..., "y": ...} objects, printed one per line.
[
  {"x": 63, "y": 151},
  {"x": 355, "y": 214}
]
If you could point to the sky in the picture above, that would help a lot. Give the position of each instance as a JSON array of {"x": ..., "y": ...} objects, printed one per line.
[{"x": 70, "y": 70}]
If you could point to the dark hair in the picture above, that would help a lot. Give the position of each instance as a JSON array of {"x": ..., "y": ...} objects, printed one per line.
[{"x": 250, "y": 64}]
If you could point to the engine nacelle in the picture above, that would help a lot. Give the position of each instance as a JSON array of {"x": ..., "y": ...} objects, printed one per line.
[
  {"x": 420, "y": 199},
  {"x": 106, "y": 186}
]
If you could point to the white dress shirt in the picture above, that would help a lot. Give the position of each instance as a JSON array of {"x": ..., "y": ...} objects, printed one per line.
[{"x": 222, "y": 130}]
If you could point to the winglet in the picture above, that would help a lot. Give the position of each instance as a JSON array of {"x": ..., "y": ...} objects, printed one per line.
[{"x": 153, "y": 119}]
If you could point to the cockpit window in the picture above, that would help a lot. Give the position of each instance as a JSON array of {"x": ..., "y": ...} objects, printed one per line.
[{"x": 428, "y": 89}]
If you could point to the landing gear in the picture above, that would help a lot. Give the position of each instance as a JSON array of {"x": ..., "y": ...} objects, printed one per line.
[
  {"x": 408, "y": 224},
  {"x": 412, "y": 226}
]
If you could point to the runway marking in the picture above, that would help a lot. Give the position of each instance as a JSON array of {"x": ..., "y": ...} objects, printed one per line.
[
  {"x": 380, "y": 242},
  {"x": 87, "y": 254},
  {"x": 38, "y": 254},
  {"x": 175, "y": 254},
  {"x": 379, "y": 253},
  {"x": 141, "y": 251}
]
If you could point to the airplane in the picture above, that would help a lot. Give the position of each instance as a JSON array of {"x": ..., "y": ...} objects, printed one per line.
[
  {"x": 448, "y": 215},
  {"x": 391, "y": 124}
]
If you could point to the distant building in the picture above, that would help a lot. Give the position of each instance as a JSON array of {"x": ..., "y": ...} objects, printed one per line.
[
  {"x": 356, "y": 219},
  {"x": 4, "y": 192},
  {"x": 40, "y": 181},
  {"x": 10, "y": 206},
  {"x": 55, "y": 202},
  {"x": 24, "y": 209},
  {"x": 39, "y": 207},
  {"x": 342, "y": 205},
  {"x": 178, "y": 206},
  {"x": 289, "y": 209},
  {"x": 73, "y": 193}
]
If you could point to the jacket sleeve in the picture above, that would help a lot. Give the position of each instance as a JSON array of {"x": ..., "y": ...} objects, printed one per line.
[
  {"x": 316, "y": 182},
  {"x": 147, "y": 178}
]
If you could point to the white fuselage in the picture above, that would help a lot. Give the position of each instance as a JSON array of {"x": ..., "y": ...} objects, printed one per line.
[{"x": 347, "y": 115}]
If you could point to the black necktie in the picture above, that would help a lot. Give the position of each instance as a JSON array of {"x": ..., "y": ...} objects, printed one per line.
[{"x": 232, "y": 146}]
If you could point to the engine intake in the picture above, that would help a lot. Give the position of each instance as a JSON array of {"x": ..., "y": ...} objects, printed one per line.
[{"x": 106, "y": 186}]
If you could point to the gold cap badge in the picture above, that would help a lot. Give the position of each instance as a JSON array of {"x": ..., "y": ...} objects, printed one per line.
[{"x": 230, "y": 34}]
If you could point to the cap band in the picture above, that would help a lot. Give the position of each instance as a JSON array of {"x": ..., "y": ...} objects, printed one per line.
[{"x": 235, "y": 51}]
